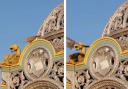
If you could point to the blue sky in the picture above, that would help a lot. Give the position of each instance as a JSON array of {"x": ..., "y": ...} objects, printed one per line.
[
  {"x": 86, "y": 19},
  {"x": 20, "y": 19}
]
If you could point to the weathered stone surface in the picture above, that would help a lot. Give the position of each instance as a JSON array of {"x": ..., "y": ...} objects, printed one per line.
[{"x": 117, "y": 26}]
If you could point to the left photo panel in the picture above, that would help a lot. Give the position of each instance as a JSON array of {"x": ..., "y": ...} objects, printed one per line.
[{"x": 32, "y": 44}]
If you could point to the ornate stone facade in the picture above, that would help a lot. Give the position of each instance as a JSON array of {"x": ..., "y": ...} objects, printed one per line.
[
  {"x": 117, "y": 27},
  {"x": 105, "y": 65},
  {"x": 53, "y": 28},
  {"x": 40, "y": 65}
]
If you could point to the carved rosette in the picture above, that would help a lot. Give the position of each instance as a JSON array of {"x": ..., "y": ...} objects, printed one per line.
[
  {"x": 53, "y": 28},
  {"x": 117, "y": 27},
  {"x": 108, "y": 83},
  {"x": 43, "y": 84}
]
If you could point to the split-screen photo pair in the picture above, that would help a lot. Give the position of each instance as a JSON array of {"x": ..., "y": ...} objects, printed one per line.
[{"x": 64, "y": 44}]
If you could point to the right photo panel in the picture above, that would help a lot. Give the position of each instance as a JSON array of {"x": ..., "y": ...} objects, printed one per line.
[{"x": 97, "y": 44}]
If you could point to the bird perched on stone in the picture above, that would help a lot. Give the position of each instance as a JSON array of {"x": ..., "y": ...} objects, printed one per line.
[{"x": 12, "y": 59}]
